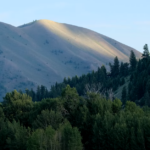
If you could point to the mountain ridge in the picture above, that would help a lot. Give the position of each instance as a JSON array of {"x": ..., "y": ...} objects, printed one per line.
[{"x": 44, "y": 52}]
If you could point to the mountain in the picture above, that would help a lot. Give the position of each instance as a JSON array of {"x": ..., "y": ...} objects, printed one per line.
[{"x": 43, "y": 52}]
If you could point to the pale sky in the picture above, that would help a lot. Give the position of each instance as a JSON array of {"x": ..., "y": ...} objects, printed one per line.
[{"x": 127, "y": 21}]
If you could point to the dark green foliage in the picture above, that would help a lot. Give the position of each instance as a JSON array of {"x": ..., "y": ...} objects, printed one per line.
[
  {"x": 123, "y": 130},
  {"x": 65, "y": 138},
  {"x": 146, "y": 99},
  {"x": 68, "y": 118},
  {"x": 71, "y": 139},
  {"x": 124, "y": 95},
  {"x": 1, "y": 113},
  {"x": 47, "y": 118},
  {"x": 124, "y": 69},
  {"x": 94, "y": 123},
  {"x": 18, "y": 136},
  {"x": 49, "y": 104},
  {"x": 139, "y": 86},
  {"x": 13, "y": 136},
  {"x": 133, "y": 61},
  {"x": 17, "y": 106},
  {"x": 115, "y": 67},
  {"x": 146, "y": 51},
  {"x": 116, "y": 106},
  {"x": 43, "y": 139},
  {"x": 122, "y": 81},
  {"x": 71, "y": 99}
]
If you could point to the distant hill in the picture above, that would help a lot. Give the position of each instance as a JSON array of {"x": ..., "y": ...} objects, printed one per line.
[{"x": 43, "y": 52}]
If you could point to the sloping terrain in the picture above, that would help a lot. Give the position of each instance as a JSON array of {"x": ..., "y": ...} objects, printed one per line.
[{"x": 43, "y": 52}]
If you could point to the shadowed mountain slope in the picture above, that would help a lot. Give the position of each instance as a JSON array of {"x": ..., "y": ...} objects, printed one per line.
[{"x": 43, "y": 52}]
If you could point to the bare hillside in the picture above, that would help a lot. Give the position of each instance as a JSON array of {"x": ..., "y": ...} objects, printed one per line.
[{"x": 43, "y": 52}]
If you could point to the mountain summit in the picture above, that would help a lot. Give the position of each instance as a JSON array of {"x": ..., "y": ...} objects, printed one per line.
[{"x": 44, "y": 52}]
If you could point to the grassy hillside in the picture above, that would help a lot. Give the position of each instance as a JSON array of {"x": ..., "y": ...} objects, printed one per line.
[{"x": 44, "y": 52}]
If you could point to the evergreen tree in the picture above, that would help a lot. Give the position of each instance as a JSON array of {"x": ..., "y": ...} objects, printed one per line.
[
  {"x": 146, "y": 99},
  {"x": 38, "y": 91},
  {"x": 115, "y": 67},
  {"x": 122, "y": 69},
  {"x": 146, "y": 51},
  {"x": 124, "y": 95},
  {"x": 126, "y": 69},
  {"x": 133, "y": 61}
]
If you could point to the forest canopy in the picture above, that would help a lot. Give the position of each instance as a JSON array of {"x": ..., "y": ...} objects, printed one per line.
[{"x": 82, "y": 112}]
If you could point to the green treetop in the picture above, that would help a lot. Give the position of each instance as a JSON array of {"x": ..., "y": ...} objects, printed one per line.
[{"x": 146, "y": 51}]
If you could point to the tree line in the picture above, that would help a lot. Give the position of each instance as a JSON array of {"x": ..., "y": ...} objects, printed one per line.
[
  {"x": 137, "y": 90},
  {"x": 73, "y": 116},
  {"x": 72, "y": 122}
]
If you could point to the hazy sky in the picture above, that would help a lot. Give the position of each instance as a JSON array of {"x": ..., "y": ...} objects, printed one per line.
[{"x": 127, "y": 21}]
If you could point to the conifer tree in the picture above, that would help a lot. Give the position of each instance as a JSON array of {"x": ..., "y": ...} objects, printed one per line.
[
  {"x": 146, "y": 51},
  {"x": 121, "y": 69},
  {"x": 133, "y": 61},
  {"x": 115, "y": 67},
  {"x": 146, "y": 98},
  {"x": 124, "y": 95}
]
